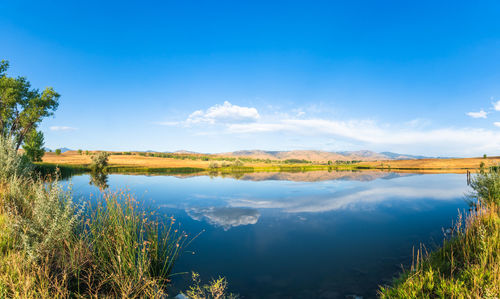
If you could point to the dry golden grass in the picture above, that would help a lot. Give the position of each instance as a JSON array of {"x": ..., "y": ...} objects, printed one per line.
[
  {"x": 461, "y": 164},
  {"x": 73, "y": 158},
  {"x": 426, "y": 165}
]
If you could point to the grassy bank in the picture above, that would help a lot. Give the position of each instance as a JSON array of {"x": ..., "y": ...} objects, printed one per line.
[
  {"x": 456, "y": 164},
  {"x": 70, "y": 169},
  {"x": 168, "y": 163},
  {"x": 51, "y": 247},
  {"x": 468, "y": 263}
]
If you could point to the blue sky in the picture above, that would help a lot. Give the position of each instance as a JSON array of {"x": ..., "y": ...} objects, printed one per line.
[{"x": 417, "y": 77}]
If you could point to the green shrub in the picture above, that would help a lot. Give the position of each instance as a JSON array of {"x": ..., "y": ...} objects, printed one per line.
[
  {"x": 226, "y": 164},
  {"x": 486, "y": 187},
  {"x": 58, "y": 151},
  {"x": 99, "y": 161},
  {"x": 213, "y": 165},
  {"x": 43, "y": 213},
  {"x": 11, "y": 163}
]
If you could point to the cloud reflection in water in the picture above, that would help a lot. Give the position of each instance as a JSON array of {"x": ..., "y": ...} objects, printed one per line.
[{"x": 225, "y": 217}]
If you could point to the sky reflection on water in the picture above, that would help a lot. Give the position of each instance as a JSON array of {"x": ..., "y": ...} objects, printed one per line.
[{"x": 322, "y": 235}]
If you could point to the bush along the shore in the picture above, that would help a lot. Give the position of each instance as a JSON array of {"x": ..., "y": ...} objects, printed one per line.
[
  {"x": 468, "y": 263},
  {"x": 99, "y": 162},
  {"x": 51, "y": 247}
]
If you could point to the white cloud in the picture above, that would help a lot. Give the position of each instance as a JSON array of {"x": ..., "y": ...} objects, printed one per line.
[
  {"x": 225, "y": 113},
  {"x": 497, "y": 123},
  {"x": 412, "y": 137},
  {"x": 496, "y": 106},
  {"x": 480, "y": 114},
  {"x": 62, "y": 128},
  {"x": 448, "y": 141}
]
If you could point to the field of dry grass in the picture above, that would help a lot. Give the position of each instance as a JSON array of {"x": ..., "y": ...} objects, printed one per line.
[
  {"x": 74, "y": 158},
  {"x": 425, "y": 165},
  {"x": 436, "y": 164}
]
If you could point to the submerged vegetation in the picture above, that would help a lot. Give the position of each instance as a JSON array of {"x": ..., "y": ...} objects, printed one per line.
[{"x": 468, "y": 263}]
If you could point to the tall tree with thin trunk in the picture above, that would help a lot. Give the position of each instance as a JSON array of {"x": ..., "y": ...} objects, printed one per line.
[{"x": 22, "y": 108}]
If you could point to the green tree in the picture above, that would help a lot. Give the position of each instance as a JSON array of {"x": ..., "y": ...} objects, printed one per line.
[
  {"x": 80, "y": 151},
  {"x": 485, "y": 156},
  {"x": 33, "y": 146},
  {"x": 99, "y": 161},
  {"x": 22, "y": 108},
  {"x": 58, "y": 151}
]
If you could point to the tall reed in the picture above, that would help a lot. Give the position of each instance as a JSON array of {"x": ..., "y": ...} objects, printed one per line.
[{"x": 135, "y": 251}]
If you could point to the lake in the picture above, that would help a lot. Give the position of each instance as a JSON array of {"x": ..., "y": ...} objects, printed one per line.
[{"x": 300, "y": 235}]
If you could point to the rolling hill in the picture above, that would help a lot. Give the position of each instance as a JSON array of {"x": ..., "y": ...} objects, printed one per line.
[{"x": 321, "y": 156}]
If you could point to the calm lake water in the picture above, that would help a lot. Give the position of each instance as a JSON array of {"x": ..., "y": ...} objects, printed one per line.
[{"x": 300, "y": 235}]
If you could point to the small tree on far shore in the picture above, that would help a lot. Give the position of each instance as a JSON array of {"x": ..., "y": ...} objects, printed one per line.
[{"x": 99, "y": 161}]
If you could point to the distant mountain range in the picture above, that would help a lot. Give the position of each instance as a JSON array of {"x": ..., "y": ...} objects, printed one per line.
[
  {"x": 309, "y": 155},
  {"x": 322, "y": 156}
]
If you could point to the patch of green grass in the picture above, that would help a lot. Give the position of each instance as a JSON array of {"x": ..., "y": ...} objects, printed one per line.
[
  {"x": 70, "y": 169},
  {"x": 468, "y": 263},
  {"x": 64, "y": 170},
  {"x": 6, "y": 242}
]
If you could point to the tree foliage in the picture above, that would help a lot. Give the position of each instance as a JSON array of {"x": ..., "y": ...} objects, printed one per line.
[
  {"x": 33, "y": 146},
  {"x": 100, "y": 161},
  {"x": 22, "y": 108}
]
